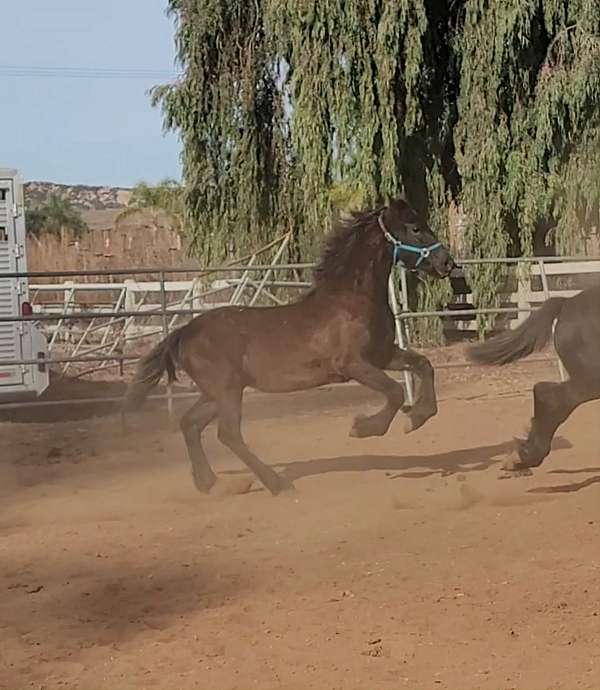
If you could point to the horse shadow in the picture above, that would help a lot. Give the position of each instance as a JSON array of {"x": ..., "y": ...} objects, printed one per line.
[
  {"x": 444, "y": 464},
  {"x": 463, "y": 460},
  {"x": 572, "y": 487}
]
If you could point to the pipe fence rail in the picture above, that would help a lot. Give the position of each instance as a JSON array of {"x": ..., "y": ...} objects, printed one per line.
[{"x": 102, "y": 333}]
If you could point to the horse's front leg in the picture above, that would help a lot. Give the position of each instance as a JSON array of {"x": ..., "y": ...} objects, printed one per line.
[
  {"x": 377, "y": 380},
  {"x": 425, "y": 405},
  {"x": 553, "y": 403}
]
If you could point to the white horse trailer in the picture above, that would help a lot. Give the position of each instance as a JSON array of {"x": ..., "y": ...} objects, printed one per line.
[{"x": 18, "y": 340}]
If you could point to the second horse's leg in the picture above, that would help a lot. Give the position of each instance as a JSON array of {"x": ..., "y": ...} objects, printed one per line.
[
  {"x": 375, "y": 379},
  {"x": 425, "y": 405},
  {"x": 552, "y": 405},
  {"x": 192, "y": 424}
]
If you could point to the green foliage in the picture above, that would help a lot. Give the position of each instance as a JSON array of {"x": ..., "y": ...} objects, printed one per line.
[
  {"x": 281, "y": 102},
  {"x": 34, "y": 221},
  {"x": 346, "y": 198},
  {"x": 55, "y": 215},
  {"x": 165, "y": 197},
  {"x": 289, "y": 109},
  {"x": 528, "y": 128},
  {"x": 229, "y": 114}
]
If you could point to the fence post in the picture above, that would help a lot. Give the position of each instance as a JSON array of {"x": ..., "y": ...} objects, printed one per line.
[
  {"x": 196, "y": 292},
  {"x": 546, "y": 289},
  {"x": 268, "y": 272},
  {"x": 402, "y": 341},
  {"x": 130, "y": 306},
  {"x": 165, "y": 326},
  {"x": 68, "y": 303},
  {"x": 523, "y": 290},
  {"x": 242, "y": 282},
  {"x": 68, "y": 297}
]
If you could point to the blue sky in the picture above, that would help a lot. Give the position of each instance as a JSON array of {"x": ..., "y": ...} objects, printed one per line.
[{"x": 86, "y": 130}]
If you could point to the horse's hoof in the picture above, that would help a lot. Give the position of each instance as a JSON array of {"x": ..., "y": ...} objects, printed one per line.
[
  {"x": 530, "y": 453},
  {"x": 204, "y": 484},
  {"x": 276, "y": 483},
  {"x": 416, "y": 421},
  {"x": 363, "y": 427},
  {"x": 287, "y": 488},
  {"x": 285, "y": 483},
  {"x": 514, "y": 467}
]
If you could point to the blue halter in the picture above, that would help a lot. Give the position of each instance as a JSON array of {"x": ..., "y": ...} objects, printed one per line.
[{"x": 423, "y": 252}]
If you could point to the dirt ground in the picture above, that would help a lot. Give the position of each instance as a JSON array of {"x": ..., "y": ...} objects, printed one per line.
[{"x": 397, "y": 562}]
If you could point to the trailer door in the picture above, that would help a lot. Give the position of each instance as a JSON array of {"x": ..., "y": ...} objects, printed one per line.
[{"x": 10, "y": 333}]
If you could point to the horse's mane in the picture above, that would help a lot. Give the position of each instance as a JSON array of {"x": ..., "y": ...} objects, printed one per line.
[{"x": 340, "y": 243}]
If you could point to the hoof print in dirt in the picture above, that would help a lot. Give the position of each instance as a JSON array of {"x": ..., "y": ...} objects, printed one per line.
[
  {"x": 232, "y": 487},
  {"x": 513, "y": 474},
  {"x": 513, "y": 470}
]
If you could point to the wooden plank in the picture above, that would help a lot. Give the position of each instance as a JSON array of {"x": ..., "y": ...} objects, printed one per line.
[
  {"x": 538, "y": 296},
  {"x": 170, "y": 286},
  {"x": 568, "y": 268},
  {"x": 60, "y": 287}
]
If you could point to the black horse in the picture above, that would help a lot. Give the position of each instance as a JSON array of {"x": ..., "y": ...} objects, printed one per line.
[
  {"x": 342, "y": 329},
  {"x": 576, "y": 325}
]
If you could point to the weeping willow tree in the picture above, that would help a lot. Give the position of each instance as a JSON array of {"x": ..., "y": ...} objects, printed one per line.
[
  {"x": 283, "y": 104},
  {"x": 527, "y": 135},
  {"x": 286, "y": 109}
]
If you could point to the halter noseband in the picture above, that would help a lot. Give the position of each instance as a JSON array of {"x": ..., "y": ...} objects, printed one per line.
[{"x": 423, "y": 252}]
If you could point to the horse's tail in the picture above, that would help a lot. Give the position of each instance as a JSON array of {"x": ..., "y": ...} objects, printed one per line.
[
  {"x": 531, "y": 336},
  {"x": 163, "y": 357}
]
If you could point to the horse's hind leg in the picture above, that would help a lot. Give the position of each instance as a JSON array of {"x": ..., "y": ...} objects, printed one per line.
[
  {"x": 552, "y": 405},
  {"x": 425, "y": 405},
  {"x": 193, "y": 422},
  {"x": 375, "y": 379},
  {"x": 229, "y": 406}
]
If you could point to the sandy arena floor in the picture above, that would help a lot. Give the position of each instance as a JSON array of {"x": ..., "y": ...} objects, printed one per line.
[{"x": 398, "y": 562}]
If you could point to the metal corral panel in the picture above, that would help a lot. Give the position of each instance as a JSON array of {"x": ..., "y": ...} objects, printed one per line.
[
  {"x": 10, "y": 338},
  {"x": 20, "y": 340}
]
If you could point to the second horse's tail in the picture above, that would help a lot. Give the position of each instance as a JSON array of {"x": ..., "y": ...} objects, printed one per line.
[
  {"x": 150, "y": 369},
  {"x": 531, "y": 336}
]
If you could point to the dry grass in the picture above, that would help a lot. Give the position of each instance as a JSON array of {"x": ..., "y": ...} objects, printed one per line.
[
  {"x": 135, "y": 242},
  {"x": 138, "y": 241}
]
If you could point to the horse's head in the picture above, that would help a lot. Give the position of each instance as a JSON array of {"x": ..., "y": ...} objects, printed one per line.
[{"x": 413, "y": 242}]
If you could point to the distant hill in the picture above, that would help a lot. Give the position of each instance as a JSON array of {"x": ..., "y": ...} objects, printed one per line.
[
  {"x": 84, "y": 197},
  {"x": 99, "y": 206}
]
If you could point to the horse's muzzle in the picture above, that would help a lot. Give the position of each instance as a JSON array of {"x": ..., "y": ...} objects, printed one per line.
[{"x": 444, "y": 265}]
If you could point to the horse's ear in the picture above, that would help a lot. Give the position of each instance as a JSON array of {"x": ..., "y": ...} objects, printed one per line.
[
  {"x": 400, "y": 201},
  {"x": 398, "y": 204},
  {"x": 381, "y": 201}
]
